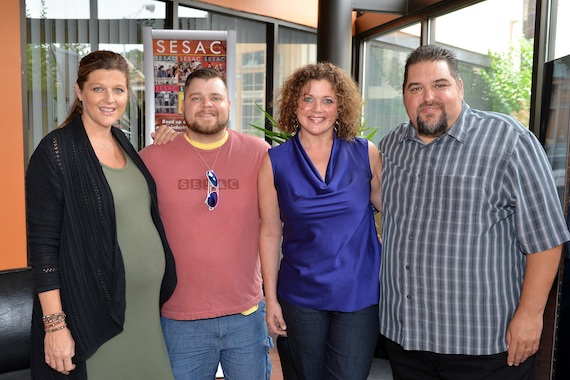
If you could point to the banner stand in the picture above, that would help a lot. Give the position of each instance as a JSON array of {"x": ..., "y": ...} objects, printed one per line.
[{"x": 169, "y": 57}]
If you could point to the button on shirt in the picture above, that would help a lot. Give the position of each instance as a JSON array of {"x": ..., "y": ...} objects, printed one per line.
[{"x": 459, "y": 215}]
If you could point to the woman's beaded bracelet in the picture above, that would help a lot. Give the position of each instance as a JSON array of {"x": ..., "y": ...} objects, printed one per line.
[
  {"x": 49, "y": 325},
  {"x": 56, "y": 329},
  {"x": 52, "y": 320},
  {"x": 53, "y": 317}
]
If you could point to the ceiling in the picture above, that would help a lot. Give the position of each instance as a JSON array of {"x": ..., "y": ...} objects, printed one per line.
[
  {"x": 401, "y": 7},
  {"x": 368, "y": 13},
  {"x": 372, "y": 13}
]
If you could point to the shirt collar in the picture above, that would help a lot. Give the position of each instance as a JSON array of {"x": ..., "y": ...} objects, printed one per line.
[
  {"x": 208, "y": 146},
  {"x": 458, "y": 131}
]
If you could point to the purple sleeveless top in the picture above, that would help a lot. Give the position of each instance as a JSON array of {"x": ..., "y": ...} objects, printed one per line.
[{"x": 331, "y": 253}]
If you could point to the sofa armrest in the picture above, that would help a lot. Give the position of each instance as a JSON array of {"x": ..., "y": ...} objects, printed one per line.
[{"x": 16, "y": 301}]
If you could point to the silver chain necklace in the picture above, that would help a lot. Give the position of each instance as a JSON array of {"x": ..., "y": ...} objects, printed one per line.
[
  {"x": 100, "y": 145},
  {"x": 216, "y": 159},
  {"x": 213, "y": 195}
]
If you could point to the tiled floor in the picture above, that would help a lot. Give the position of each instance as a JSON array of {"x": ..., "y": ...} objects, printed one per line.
[{"x": 276, "y": 372}]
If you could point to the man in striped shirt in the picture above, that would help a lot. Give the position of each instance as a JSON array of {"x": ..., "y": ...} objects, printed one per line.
[{"x": 472, "y": 232}]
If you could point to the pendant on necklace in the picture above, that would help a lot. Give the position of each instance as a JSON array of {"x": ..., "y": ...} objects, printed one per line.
[{"x": 101, "y": 146}]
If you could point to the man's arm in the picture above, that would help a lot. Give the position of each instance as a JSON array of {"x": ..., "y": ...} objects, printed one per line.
[{"x": 525, "y": 329}]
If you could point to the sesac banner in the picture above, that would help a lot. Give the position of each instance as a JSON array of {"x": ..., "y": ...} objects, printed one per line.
[{"x": 169, "y": 56}]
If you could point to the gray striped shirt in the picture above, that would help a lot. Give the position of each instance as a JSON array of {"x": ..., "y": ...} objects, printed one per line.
[{"x": 459, "y": 215}]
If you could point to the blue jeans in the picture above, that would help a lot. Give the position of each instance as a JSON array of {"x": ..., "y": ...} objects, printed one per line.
[
  {"x": 330, "y": 344},
  {"x": 240, "y": 343}
]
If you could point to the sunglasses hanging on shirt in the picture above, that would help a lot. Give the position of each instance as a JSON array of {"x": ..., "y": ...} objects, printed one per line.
[{"x": 213, "y": 195}]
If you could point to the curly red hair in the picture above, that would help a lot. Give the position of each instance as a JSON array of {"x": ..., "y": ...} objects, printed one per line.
[{"x": 347, "y": 92}]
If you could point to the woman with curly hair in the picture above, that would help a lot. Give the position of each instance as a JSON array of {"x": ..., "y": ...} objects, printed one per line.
[{"x": 316, "y": 193}]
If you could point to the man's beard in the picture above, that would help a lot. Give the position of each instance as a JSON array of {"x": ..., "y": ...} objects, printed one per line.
[
  {"x": 432, "y": 127},
  {"x": 197, "y": 128}
]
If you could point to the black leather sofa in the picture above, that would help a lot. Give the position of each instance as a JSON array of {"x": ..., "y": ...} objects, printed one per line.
[{"x": 16, "y": 300}]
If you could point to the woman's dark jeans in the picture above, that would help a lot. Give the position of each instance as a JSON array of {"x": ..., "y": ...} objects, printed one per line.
[{"x": 331, "y": 344}]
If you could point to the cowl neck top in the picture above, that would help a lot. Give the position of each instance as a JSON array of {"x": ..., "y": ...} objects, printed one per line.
[{"x": 331, "y": 252}]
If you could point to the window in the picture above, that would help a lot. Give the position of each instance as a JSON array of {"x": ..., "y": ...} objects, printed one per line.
[
  {"x": 296, "y": 48},
  {"x": 59, "y": 34},
  {"x": 495, "y": 63},
  {"x": 560, "y": 29},
  {"x": 253, "y": 82},
  {"x": 251, "y": 47},
  {"x": 250, "y": 115},
  {"x": 252, "y": 96},
  {"x": 255, "y": 58},
  {"x": 385, "y": 56}
]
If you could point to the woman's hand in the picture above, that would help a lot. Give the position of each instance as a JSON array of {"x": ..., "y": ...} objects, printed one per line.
[{"x": 59, "y": 348}]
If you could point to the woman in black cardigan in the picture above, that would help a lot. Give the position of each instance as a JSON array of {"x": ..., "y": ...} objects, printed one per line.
[{"x": 101, "y": 262}]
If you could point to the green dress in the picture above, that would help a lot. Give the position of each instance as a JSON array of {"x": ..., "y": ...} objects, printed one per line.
[{"x": 139, "y": 352}]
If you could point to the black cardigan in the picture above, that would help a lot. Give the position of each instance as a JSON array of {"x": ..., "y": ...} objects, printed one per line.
[{"x": 72, "y": 241}]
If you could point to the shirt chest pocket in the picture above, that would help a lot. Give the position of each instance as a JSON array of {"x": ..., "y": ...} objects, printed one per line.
[{"x": 456, "y": 202}]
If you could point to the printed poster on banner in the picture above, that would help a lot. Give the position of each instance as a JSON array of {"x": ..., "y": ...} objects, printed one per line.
[{"x": 169, "y": 57}]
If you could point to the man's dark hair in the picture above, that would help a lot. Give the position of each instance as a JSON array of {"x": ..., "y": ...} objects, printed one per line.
[
  {"x": 432, "y": 53},
  {"x": 204, "y": 73}
]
